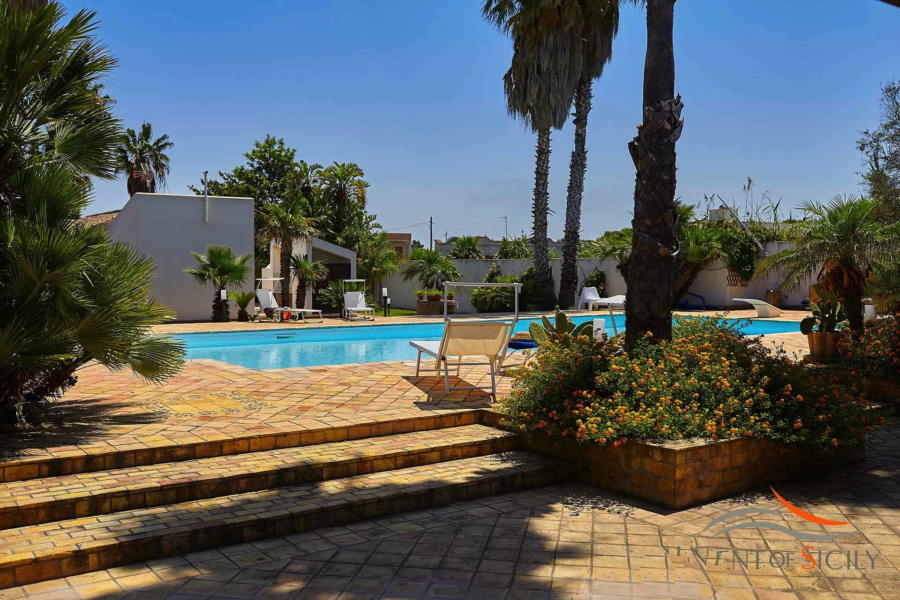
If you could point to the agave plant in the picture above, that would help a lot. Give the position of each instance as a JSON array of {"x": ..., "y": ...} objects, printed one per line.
[
  {"x": 243, "y": 300},
  {"x": 561, "y": 328}
]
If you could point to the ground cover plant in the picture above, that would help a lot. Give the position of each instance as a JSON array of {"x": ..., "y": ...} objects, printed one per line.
[{"x": 709, "y": 382}]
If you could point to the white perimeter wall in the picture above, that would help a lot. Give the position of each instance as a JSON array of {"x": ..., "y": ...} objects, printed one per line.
[
  {"x": 167, "y": 228},
  {"x": 712, "y": 283}
]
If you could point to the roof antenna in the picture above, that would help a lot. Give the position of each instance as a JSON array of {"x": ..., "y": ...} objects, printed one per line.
[{"x": 205, "y": 198}]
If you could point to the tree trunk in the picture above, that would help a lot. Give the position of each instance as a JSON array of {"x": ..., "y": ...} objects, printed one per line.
[
  {"x": 853, "y": 306},
  {"x": 568, "y": 278},
  {"x": 219, "y": 310},
  {"x": 287, "y": 249},
  {"x": 301, "y": 293},
  {"x": 539, "y": 211},
  {"x": 140, "y": 181},
  {"x": 650, "y": 272}
]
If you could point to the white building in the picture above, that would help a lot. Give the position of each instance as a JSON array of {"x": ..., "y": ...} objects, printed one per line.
[{"x": 168, "y": 227}]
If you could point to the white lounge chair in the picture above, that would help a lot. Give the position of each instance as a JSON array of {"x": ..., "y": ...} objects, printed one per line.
[
  {"x": 587, "y": 294},
  {"x": 763, "y": 309},
  {"x": 610, "y": 302},
  {"x": 266, "y": 299},
  {"x": 462, "y": 339},
  {"x": 355, "y": 307}
]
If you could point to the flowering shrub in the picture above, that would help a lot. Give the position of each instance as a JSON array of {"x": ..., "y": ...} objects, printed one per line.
[
  {"x": 877, "y": 353},
  {"x": 710, "y": 382}
]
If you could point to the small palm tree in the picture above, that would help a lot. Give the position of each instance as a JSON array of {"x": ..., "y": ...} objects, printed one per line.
[
  {"x": 222, "y": 268},
  {"x": 243, "y": 300},
  {"x": 516, "y": 247},
  {"x": 307, "y": 273},
  {"x": 144, "y": 159},
  {"x": 466, "y": 247},
  {"x": 430, "y": 267},
  {"x": 842, "y": 241},
  {"x": 285, "y": 221}
]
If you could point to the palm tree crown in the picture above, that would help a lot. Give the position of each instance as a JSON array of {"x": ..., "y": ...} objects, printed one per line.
[
  {"x": 842, "y": 241},
  {"x": 306, "y": 272},
  {"x": 466, "y": 247},
  {"x": 430, "y": 267},
  {"x": 144, "y": 159},
  {"x": 285, "y": 221},
  {"x": 222, "y": 268}
]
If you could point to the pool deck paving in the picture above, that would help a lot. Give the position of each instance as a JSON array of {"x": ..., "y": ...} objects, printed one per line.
[
  {"x": 557, "y": 541},
  {"x": 564, "y": 541}
]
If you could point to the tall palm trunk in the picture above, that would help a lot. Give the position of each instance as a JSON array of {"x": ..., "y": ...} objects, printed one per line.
[
  {"x": 287, "y": 249},
  {"x": 650, "y": 273},
  {"x": 539, "y": 211},
  {"x": 568, "y": 278}
]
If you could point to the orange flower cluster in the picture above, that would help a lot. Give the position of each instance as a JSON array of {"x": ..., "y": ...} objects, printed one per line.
[
  {"x": 876, "y": 353},
  {"x": 708, "y": 382}
]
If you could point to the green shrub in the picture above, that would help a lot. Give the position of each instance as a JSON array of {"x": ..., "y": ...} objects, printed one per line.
[
  {"x": 708, "y": 382},
  {"x": 877, "y": 352},
  {"x": 495, "y": 299},
  {"x": 596, "y": 279},
  {"x": 493, "y": 273}
]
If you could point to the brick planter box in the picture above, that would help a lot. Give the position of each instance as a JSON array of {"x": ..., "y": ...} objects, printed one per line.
[
  {"x": 685, "y": 473},
  {"x": 434, "y": 307}
]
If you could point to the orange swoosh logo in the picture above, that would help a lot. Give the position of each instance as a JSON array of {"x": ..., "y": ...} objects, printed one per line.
[{"x": 805, "y": 515}]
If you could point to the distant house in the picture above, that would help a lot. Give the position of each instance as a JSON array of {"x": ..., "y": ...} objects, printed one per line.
[
  {"x": 167, "y": 228},
  {"x": 489, "y": 246},
  {"x": 401, "y": 242}
]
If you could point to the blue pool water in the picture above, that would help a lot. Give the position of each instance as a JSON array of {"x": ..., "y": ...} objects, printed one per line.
[{"x": 311, "y": 346}]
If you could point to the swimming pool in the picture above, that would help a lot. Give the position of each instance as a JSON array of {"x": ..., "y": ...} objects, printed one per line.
[{"x": 316, "y": 346}]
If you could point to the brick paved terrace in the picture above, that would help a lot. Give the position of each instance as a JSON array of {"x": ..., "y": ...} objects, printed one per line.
[{"x": 365, "y": 481}]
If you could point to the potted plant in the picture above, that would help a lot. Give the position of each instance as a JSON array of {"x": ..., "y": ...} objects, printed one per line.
[
  {"x": 434, "y": 295},
  {"x": 819, "y": 328},
  {"x": 243, "y": 300},
  {"x": 420, "y": 294},
  {"x": 449, "y": 295}
]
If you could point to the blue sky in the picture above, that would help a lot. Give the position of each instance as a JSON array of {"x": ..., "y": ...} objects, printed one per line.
[{"x": 411, "y": 90}]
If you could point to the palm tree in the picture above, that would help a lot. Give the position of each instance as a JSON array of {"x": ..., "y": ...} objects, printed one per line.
[
  {"x": 430, "y": 267},
  {"x": 600, "y": 23},
  {"x": 516, "y": 247},
  {"x": 307, "y": 273},
  {"x": 539, "y": 88},
  {"x": 466, "y": 247},
  {"x": 144, "y": 159},
  {"x": 220, "y": 267},
  {"x": 50, "y": 115},
  {"x": 284, "y": 221},
  {"x": 69, "y": 295},
  {"x": 650, "y": 272},
  {"x": 376, "y": 259},
  {"x": 843, "y": 241}
]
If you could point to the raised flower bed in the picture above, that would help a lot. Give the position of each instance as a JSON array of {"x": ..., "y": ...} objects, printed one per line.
[{"x": 708, "y": 415}]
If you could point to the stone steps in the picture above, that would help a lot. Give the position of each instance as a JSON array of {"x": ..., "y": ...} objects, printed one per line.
[
  {"x": 50, "y": 550},
  {"x": 66, "y": 460},
  {"x": 42, "y": 500}
]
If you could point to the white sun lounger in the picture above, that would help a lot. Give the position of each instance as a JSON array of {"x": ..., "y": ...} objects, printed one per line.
[
  {"x": 355, "y": 307},
  {"x": 763, "y": 309},
  {"x": 266, "y": 299},
  {"x": 464, "y": 339},
  {"x": 587, "y": 294}
]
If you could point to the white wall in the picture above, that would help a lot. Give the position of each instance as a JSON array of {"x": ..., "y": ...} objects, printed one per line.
[
  {"x": 168, "y": 227},
  {"x": 711, "y": 283}
]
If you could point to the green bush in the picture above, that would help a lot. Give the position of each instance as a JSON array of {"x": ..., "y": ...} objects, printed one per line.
[
  {"x": 710, "y": 382},
  {"x": 495, "y": 299},
  {"x": 596, "y": 279}
]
